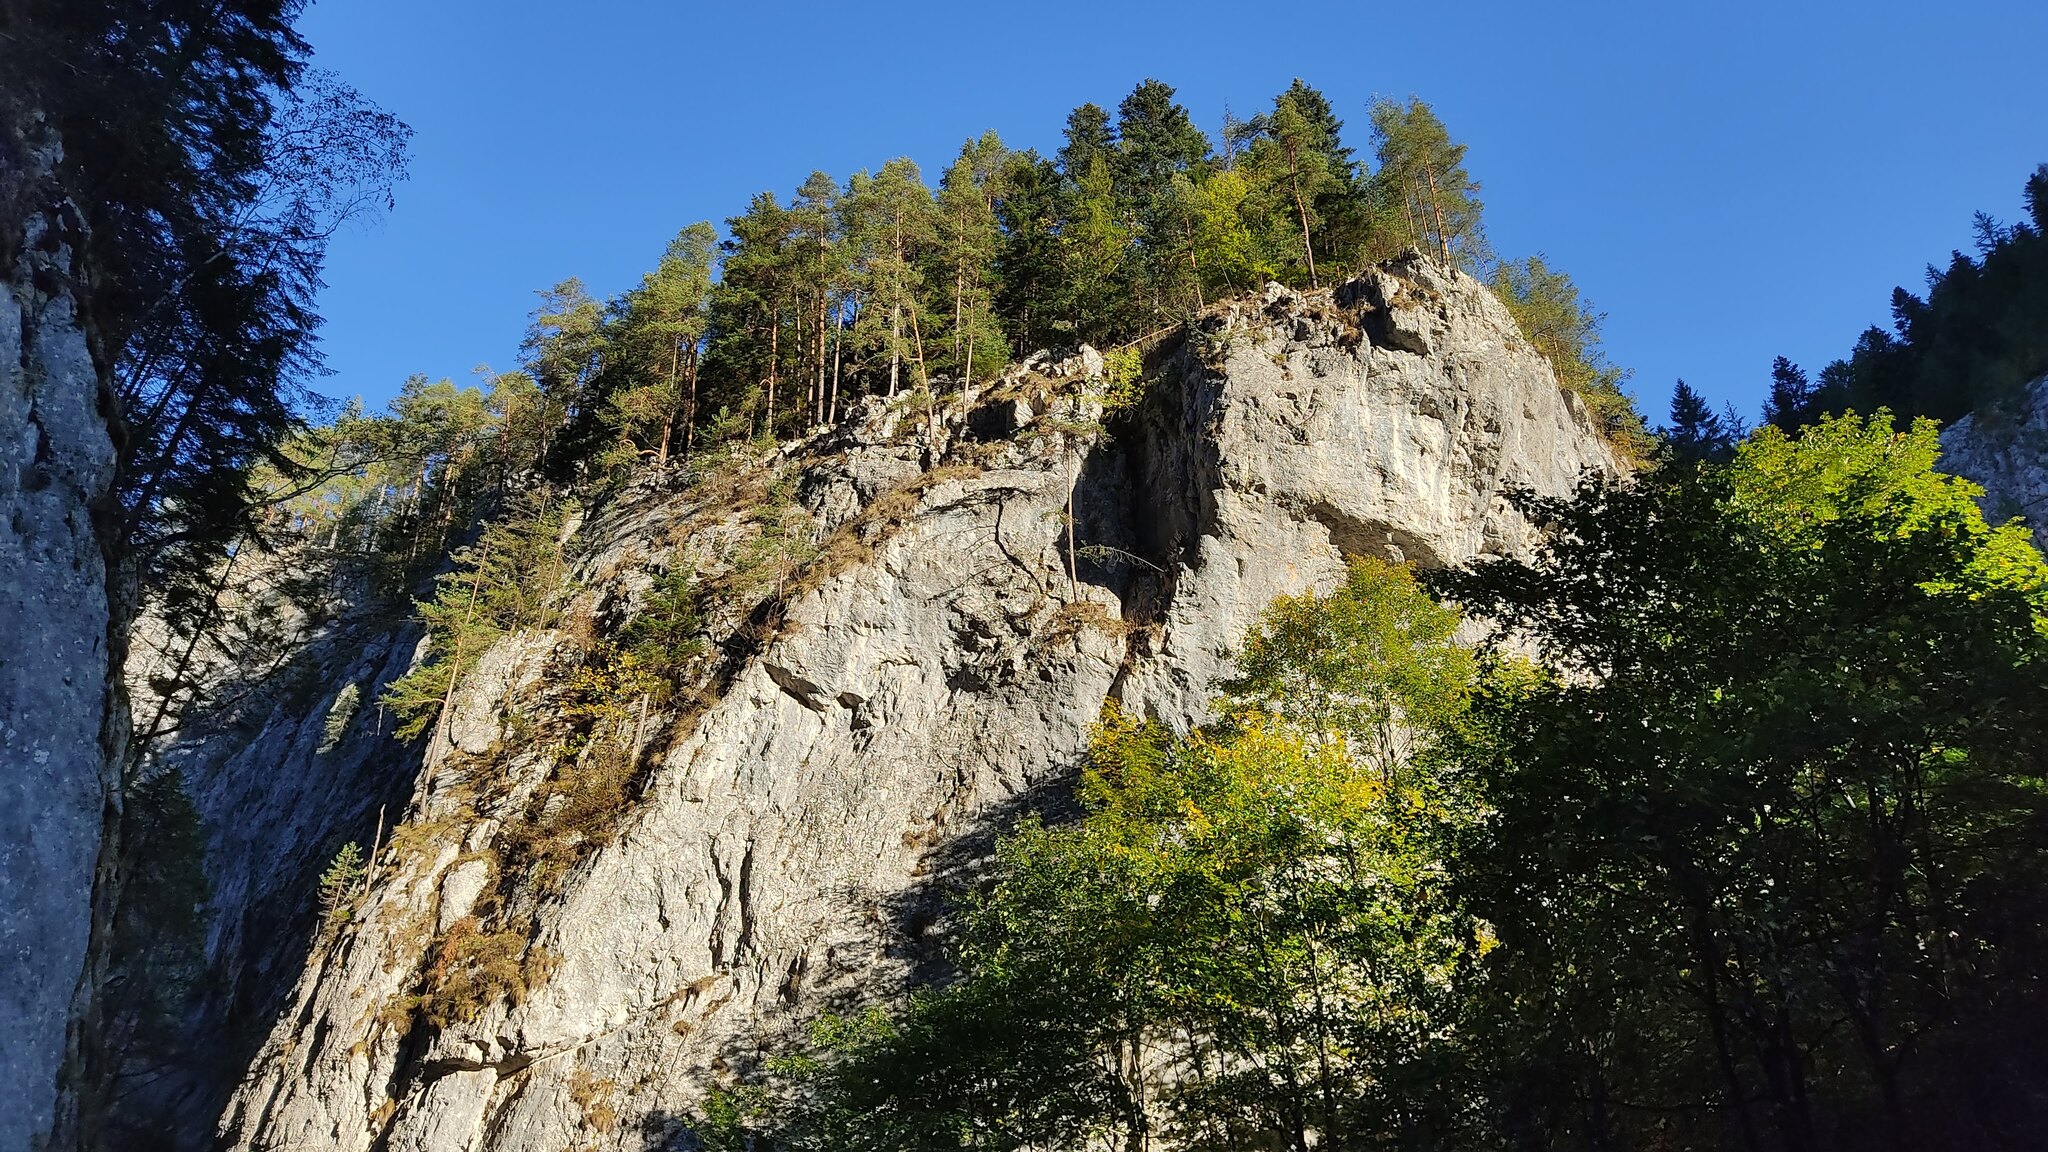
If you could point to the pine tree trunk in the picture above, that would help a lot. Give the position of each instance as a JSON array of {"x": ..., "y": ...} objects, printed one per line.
[
  {"x": 455, "y": 660},
  {"x": 1443, "y": 236},
  {"x": 838, "y": 343},
  {"x": 967, "y": 369},
  {"x": 896, "y": 311},
  {"x": 668, "y": 417},
  {"x": 690, "y": 418},
  {"x": 774, "y": 356},
  {"x": 1301, "y": 206},
  {"x": 818, "y": 408},
  {"x": 895, "y": 344}
]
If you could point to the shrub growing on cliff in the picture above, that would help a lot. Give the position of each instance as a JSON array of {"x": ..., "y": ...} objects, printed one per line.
[
  {"x": 339, "y": 714},
  {"x": 509, "y": 579},
  {"x": 472, "y": 969},
  {"x": 341, "y": 885}
]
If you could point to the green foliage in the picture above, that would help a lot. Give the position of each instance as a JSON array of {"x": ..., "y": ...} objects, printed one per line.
[
  {"x": 1546, "y": 306},
  {"x": 655, "y": 343},
  {"x": 1766, "y": 848},
  {"x": 779, "y": 544},
  {"x": 341, "y": 885},
  {"x": 1697, "y": 432},
  {"x": 1123, "y": 385},
  {"x": 204, "y": 169},
  {"x": 510, "y": 579},
  {"x": 1375, "y": 663},
  {"x": 1421, "y": 194},
  {"x": 339, "y": 713},
  {"x": 667, "y": 633},
  {"x": 1757, "y": 848},
  {"x": 157, "y": 959}
]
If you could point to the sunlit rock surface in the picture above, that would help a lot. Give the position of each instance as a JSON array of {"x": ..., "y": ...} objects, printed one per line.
[{"x": 792, "y": 840}]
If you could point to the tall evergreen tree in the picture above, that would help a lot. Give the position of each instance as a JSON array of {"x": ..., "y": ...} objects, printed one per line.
[
  {"x": 893, "y": 224},
  {"x": 750, "y": 308},
  {"x": 564, "y": 350},
  {"x": 1421, "y": 191},
  {"x": 1696, "y": 432},
  {"x": 1976, "y": 338},
  {"x": 1547, "y": 307},
  {"x": 1295, "y": 155},
  {"x": 660, "y": 339},
  {"x": 1088, "y": 136},
  {"x": 1791, "y": 402},
  {"x": 1030, "y": 283},
  {"x": 820, "y": 259},
  {"x": 1156, "y": 141},
  {"x": 970, "y": 234}
]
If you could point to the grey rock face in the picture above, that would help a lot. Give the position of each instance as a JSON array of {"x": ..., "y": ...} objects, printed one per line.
[
  {"x": 56, "y": 465},
  {"x": 2008, "y": 455},
  {"x": 931, "y": 674},
  {"x": 282, "y": 779}
]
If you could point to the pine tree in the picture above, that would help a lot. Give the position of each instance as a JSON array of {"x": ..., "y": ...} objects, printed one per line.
[
  {"x": 1421, "y": 191},
  {"x": 819, "y": 256},
  {"x": 1088, "y": 136},
  {"x": 970, "y": 234},
  {"x": 893, "y": 224},
  {"x": 1342, "y": 207},
  {"x": 341, "y": 884},
  {"x": 1031, "y": 288},
  {"x": 509, "y": 579},
  {"x": 564, "y": 350},
  {"x": 657, "y": 342},
  {"x": 1157, "y": 141},
  {"x": 1696, "y": 432},
  {"x": 1294, "y": 153},
  {"x": 750, "y": 308},
  {"x": 1548, "y": 309},
  {"x": 1790, "y": 404}
]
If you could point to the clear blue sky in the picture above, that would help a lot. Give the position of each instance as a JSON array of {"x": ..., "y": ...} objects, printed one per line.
[{"x": 1728, "y": 181}]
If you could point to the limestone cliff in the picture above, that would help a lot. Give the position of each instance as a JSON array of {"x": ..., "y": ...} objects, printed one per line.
[
  {"x": 58, "y": 718},
  {"x": 2007, "y": 453},
  {"x": 857, "y": 728}
]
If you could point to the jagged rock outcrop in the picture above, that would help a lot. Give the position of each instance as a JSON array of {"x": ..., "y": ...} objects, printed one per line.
[
  {"x": 57, "y": 731},
  {"x": 2007, "y": 453},
  {"x": 929, "y": 670}
]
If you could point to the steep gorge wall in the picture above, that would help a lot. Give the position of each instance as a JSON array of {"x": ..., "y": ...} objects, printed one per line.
[
  {"x": 929, "y": 674},
  {"x": 58, "y": 717}
]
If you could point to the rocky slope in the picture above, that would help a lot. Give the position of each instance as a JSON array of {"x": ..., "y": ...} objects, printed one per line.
[
  {"x": 922, "y": 665},
  {"x": 56, "y": 712}
]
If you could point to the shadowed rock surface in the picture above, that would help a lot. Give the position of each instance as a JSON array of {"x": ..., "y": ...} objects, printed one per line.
[{"x": 57, "y": 715}]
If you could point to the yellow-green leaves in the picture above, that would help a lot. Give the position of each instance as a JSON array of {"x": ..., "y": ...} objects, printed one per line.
[
  {"x": 1886, "y": 482},
  {"x": 1374, "y": 662}
]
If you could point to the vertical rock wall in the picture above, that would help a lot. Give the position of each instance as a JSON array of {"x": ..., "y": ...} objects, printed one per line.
[{"x": 56, "y": 466}]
